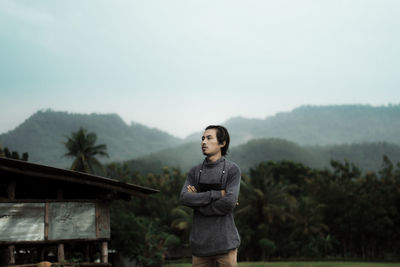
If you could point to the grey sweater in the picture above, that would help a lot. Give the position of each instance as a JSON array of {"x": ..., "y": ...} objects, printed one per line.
[{"x": 213, "y": 231}]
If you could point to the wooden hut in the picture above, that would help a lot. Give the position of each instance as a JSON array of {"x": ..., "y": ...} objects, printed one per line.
[{"x": 43, "y": 209}]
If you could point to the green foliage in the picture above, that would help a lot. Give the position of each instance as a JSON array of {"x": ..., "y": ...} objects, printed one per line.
[
  {"x": 315, "y": 213},
  {"x": 145, "y": 229},
  {"x": 172, "y": 241},
  {"x": 267, "y": 246},
  {"x": 138, "y": 238},
  {"x": 286, "y": 210}
]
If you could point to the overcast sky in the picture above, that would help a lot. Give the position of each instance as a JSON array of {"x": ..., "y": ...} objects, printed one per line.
[{"x": 179, "y": 65}]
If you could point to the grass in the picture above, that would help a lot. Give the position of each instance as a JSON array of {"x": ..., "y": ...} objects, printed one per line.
[{"x": 301, "y": 264}]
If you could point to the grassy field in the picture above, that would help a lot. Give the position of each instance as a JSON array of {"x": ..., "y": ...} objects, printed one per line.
[{"x": 302, "y": 264}]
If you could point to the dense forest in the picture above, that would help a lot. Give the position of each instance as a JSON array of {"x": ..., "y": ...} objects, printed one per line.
[{"x": 287, "y": 211}]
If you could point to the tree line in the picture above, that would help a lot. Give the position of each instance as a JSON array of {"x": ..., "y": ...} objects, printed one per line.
[{"x": 286, "y": 210}]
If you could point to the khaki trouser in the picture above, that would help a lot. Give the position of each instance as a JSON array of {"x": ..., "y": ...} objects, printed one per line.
[{"x": 224, "y": 260}]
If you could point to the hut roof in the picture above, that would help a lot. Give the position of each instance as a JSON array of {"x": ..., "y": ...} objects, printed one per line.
[{"x": 11, "y": 169}]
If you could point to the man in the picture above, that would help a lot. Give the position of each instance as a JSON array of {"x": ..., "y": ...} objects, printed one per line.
[{"x": 212, "y": 190}]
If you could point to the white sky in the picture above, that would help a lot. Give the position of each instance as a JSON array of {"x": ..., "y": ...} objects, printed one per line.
[{"x": 180, "y": 65}]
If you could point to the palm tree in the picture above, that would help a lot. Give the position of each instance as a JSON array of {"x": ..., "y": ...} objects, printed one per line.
[
  {"x": 268, "y": 199},
  {"x": 264, "y": 204},
  {"x": 308, "y": 218},
  {"x": 81, "y": 145}
]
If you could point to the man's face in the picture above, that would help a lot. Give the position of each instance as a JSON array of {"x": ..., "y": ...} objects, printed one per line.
[{"x": 209, "y": 144}]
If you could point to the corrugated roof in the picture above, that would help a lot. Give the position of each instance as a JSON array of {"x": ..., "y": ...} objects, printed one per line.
[{"x": 47, "y": 172}]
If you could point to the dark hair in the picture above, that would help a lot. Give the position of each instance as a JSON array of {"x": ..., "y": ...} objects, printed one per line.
[{"x": 222, "y": 136}]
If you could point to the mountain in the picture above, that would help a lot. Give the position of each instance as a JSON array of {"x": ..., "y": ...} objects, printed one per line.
[
  {"x": 308, "y": 134},
  {"x": 274, "y": 149},
  {"x": 183, "y": 156},
  {"x": 367, "y": 156},
  {"x": 42, "y": 136},
  {"x": 320, "y": 125}
]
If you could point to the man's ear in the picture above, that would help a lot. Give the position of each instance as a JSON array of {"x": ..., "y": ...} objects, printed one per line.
[{"x": 223, "y": 144}]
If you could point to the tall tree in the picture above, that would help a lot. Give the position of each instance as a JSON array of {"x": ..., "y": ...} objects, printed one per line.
[
  {"x": 13, "y": 154},
  {"x": 81, "y": 145},
  {"x": 264, "y": 204}
]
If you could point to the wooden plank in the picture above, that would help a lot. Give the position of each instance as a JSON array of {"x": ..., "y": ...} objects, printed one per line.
[
  {"x": 60, "y": 252},
  {"x": 70, "y": 220},
  {"x": 103, "y": 220},
  {"x": 22, "y": 221}
]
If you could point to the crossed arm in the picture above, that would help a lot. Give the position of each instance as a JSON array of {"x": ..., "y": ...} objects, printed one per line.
[{"x": 214, "y": 202}]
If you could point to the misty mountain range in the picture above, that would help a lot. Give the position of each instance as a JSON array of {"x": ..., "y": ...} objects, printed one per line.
[
  {"x": 321, "y": 125},
  {"x": 366, "y": 156},
  {"x": 309, "y": 134}
]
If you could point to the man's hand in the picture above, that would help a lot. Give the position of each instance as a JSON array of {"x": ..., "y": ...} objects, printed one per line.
[{"x": 191, "y": 189}]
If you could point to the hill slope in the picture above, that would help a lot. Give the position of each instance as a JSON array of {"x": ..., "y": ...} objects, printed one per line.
[
  {"x": 42, "y": 136},
  {"x": 321, "y": 125},
  {"x": 367, "y": 156}
]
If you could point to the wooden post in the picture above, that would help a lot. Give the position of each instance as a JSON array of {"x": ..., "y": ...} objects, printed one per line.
[
  {"x": 60, "y": 194},
  {"x": 46, "y": 221},
  {"x": 87, "y": 253},
  {"x": 97, "y": 220},
  {"x": 11, "y": 255},
  {"x": 104, "y": 252},
  {"x": 60, "y": 253},
  {"x": 42, "y": 252},
  {"x": 11, "y": 190}
]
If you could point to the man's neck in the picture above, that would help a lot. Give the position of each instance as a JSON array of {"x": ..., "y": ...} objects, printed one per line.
[{"x": 214, "y": 158}]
